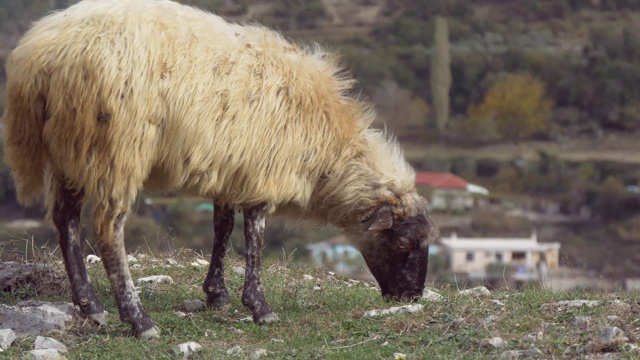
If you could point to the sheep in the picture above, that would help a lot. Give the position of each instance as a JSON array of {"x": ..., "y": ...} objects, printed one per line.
[{"x": 109, "y": 97}]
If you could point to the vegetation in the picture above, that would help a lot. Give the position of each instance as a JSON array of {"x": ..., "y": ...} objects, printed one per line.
[
  {"x": 559, "y": 77},
  {"x": 322, "y": 318},
  {"x": 515, "y": 106},
  {"x": 441, "y": 75}
]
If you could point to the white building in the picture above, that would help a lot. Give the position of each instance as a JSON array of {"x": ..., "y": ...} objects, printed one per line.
[{"x": 472, "y": 255}]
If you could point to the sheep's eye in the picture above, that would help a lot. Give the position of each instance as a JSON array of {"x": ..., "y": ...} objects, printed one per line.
[{"x": 403, "y": 244}]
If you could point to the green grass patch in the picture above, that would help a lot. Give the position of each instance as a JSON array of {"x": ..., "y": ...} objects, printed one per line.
[{"x": 322, "y": 319}]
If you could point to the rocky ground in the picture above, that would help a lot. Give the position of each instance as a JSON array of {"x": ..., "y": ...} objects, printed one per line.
[{"x": 323, "y": 315}]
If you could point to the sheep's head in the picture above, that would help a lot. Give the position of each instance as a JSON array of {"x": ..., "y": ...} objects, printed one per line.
[{"x": 394, "y": 242}]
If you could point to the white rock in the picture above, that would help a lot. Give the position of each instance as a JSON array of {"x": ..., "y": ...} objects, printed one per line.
[
  {"x": 478, "y": 290},
  {"x": 7, "y": 336},
  {"x": 258, "y": 353},
  {"x": 131, "y": 259},
  {"x": 316, "y": 288},
  {"x": 92, "y": 259},
  {"x": 496, "y": 342},
  {"x": 44, "y": 354},
  {"x": 238, "y": 270},
  {"x": 31, "y": 318},
  {"x": 532, "y": 337},
  {"x": 277, "y": 340},
  {"x": 246, "y": 319},
  {"x": 431, "y": 295},
  {"x": 497, "y": 303},
  {"x": 410, "y": 309},
  {"x": 136, "y": 266},
  {"x": 574, "y": 303},
  {"x": 180, "y": 314},
  {"x": 141, "y": 256},
  {"x": 582, "y": 321},
  {"x": 613, "y": 318},
  {"x": 202, "y": 262},
  {"x": 49, "y": 343},
  {"x": 612, "y": 334},
  {"x": 187, "y": 349},
  {"x": 307, "y": 277},
  {"x": 236, "y": 350},
  {"x": 172, "y": 262},
  {"x": 156, "y": 279},
  {"x": 413, "y": 308}
]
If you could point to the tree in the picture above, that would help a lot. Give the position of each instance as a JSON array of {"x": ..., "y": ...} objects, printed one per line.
[
  {"x": 441, "y": 75},
  {"x": 517, "y": 105}
]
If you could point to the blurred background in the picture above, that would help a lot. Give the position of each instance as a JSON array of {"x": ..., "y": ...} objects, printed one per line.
[{"x": 521, "y": 117}]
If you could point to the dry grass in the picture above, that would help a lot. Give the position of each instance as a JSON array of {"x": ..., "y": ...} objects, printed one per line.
[{"x": 327, "y": 323}]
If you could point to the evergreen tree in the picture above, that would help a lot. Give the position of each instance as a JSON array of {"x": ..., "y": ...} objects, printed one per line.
[{"x": 441, "y": 75}]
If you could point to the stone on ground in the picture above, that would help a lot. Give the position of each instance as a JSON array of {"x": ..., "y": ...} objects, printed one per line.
[
  {"x": 187, "y": 349},
  {"x": 32, "y": 318},
  {"x": 43, "y": 343}
]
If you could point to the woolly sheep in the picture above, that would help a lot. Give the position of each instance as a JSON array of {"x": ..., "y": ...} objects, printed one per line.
[{"x": 109, "y": 97}]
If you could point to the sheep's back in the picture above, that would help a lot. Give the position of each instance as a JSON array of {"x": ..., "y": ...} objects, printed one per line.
[{"x": 156, "y": 93}]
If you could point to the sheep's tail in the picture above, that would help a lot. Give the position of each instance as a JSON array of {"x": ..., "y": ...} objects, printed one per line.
[{"x": 24, "y": 119}]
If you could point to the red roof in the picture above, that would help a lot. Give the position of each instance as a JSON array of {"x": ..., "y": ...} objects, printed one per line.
[{"x": 440, "y": 180}]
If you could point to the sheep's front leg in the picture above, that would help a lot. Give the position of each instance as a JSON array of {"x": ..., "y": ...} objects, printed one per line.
[
  {"x": 66, "y": 218},
  {"x": 252, "y": 296},
  {"x": 217, "y": 294},
  {"x": 109, "y": 227}
]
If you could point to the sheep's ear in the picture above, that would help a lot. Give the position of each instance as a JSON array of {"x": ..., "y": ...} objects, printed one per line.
[{"x": 382, "y": 220}]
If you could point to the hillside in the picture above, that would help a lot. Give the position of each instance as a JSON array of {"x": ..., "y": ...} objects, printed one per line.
[
  {"x": 583, "y": 158},
  {"x": 326, "y": 316}
]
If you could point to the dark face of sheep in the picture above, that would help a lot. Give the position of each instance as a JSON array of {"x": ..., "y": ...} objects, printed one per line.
[{"x": 397, "y": 252}]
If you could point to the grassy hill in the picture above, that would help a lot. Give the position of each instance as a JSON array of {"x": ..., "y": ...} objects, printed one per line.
[{"x": 322, "y": 318}]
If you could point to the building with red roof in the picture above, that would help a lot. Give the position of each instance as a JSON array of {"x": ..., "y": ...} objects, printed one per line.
[
  {"x": 440, "y": 180},
  {"x": 446, "y": 191}
]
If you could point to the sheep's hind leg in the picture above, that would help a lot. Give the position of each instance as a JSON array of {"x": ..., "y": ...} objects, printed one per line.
[
  {"x": 252, "y": 295},
  {"x": 67, "y": 205},
  {"x": 217, "y": 294},
  {"x": 109, "y": 227}
]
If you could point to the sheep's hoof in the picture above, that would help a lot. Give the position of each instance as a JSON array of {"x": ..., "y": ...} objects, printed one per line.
[
  {"x": 152, "y": 333},
  {"x": 219, "y": 303},
  {"x": 100, "y": 318},
  {"x": 267, "y": 318}
]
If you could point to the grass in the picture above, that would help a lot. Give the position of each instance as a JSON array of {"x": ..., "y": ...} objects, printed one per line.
[{"x": 327, "y": 323}]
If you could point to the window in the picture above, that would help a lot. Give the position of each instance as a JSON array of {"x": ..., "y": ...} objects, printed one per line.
[
  {"x": 499, "y": 257},
  {"x": 470, "y": 256},
  {"x": 519, "y": 256}
]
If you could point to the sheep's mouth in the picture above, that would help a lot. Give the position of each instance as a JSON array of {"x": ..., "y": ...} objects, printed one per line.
[{"x": 405, "y": 296}]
